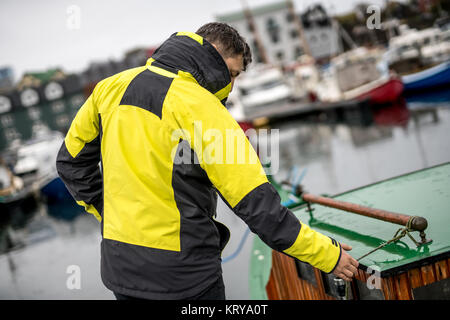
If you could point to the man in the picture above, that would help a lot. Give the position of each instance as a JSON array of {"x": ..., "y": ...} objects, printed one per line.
[{"x": 155, "y": 192}]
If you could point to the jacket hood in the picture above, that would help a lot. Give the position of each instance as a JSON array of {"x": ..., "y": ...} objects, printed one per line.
[{"x": 189, "y": 52}]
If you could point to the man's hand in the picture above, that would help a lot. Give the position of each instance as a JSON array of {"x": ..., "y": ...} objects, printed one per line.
[{"x": 347, "y": 266}]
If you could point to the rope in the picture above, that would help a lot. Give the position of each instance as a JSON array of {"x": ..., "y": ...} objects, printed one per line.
[{"x": 397, "y": 236}]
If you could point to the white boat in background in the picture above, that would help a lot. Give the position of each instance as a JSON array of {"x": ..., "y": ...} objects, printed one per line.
[
  {"x": 439, "y": 51},
  {"x": 422, "y": 58},
  {"x": 416, "y": 50},
  {"x": 261, "y": 86},
  {"x": 11, "y": 186},
  {"x": 307, "y": 77}
]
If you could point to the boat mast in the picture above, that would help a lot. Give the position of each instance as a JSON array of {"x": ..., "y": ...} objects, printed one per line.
[
  {"x": 251, "y": 23},
  {"x": 347, "y": 38}
]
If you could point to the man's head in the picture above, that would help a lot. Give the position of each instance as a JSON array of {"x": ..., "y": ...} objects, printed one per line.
[{"x": 231, "y": 46}]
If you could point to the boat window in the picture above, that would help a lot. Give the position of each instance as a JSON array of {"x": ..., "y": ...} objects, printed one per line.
[{"x": 364, "y": 293}]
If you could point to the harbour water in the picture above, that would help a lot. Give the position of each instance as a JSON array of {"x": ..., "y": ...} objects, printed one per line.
[{"x": 44, "y": 247}]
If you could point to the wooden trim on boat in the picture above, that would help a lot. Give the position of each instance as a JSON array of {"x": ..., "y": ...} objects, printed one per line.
[{"x": 285, "y": 284}]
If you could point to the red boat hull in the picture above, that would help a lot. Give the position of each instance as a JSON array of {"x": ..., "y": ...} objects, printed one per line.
[{"x": 387, "y": 92}]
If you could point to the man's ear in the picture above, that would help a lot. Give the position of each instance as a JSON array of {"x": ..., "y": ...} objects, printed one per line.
[{"x": 219, "y": 49}]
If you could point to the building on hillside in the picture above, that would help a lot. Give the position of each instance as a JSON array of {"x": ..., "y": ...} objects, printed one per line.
[
  {"x": 321, "y": 33},
  {"x": 279, "y": 33}
]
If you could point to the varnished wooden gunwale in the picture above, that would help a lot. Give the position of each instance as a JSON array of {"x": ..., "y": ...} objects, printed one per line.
[{"x": 284, "y": 283}]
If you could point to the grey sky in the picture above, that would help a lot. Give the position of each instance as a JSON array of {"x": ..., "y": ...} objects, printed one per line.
[{"x": 35, "y": 36}]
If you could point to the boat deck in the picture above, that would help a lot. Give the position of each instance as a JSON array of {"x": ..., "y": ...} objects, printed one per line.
[{"x": 423, "y": 193}]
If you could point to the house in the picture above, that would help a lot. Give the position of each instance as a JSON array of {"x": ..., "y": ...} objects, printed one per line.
[{"x": 279, "y": 32}]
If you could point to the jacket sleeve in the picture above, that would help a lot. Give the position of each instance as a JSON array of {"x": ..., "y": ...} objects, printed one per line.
[
  {"x": 78, "y": 160},
  {"x": 233, "y": 167}
]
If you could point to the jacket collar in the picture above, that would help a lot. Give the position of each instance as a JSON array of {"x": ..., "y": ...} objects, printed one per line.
[{"x": 189, "y": 52}]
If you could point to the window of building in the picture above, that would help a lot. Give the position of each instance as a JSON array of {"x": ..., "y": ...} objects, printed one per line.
[
  {"x": 273, "y": 30},
  {"x": 289, "y": 17},
  {"x": 280, "y": 55}
]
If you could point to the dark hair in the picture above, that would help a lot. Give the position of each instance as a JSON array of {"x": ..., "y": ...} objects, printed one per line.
[{"x": 228, "y": 41}]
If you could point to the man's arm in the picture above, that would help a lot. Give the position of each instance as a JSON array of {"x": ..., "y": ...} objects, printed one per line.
[
  {"x": 79, "y": 158},
  {"x": 245, "y": 189}
]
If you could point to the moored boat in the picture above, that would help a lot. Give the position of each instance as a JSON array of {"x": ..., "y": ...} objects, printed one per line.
[
  {"x": 34, "y": 162},
  {"x": 360, "y": 74},
  {"x": 413, "y": 266},
  {"x": 263, "y": 85},
  {"x": 387, "y": 90},
  {"x": 11, "y": 186}
]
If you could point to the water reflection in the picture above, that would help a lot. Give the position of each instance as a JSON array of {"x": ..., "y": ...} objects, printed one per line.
[
  {"x": 39, "y": 241},
  {"x": 342, "y": 157}
]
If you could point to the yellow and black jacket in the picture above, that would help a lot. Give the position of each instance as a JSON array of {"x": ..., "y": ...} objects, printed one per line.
[{"x": 138, "y": 157}]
